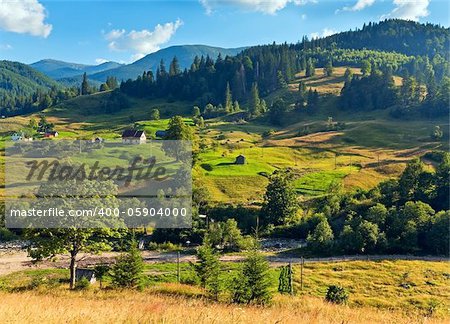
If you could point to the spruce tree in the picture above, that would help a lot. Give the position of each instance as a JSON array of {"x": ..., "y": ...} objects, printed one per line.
[
  {"x": 253, "y": 282},
  {"x": 208, "y": 269},
  {"x": 228, "y": 99},
  {"x": 84, "y": 85},
  {"x": 255, "y": 101},
  {"x": 127, "y": 272},
  {"x": 174, "y": 68}
]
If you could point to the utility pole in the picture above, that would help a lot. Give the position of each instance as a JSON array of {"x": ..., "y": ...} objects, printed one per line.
[
  {"x": 291, "y": 282},
  {"x": 257, "y": 227},
  {"x": 178, "y": 266},
  {"x": 301, "y": 273},
  {"x": 335, "y": 160}
]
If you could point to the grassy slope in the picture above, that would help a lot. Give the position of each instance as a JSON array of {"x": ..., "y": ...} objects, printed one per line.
[
  {"x": 398, "y": 289},
  {"x": 368, "y": 138}
]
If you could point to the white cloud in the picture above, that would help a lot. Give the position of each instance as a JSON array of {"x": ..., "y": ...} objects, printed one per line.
[
  {"x": 359, "y": 5},
  {"x": 24, "y": 17},
  {"x": 409, "y": 9},
  {"x": 304, "y": 16},
  {"x": 141, "y": 42},
  {"x": 265, "y": 6},
  {"x": 325, "y": 32},
  {"x": 5, "y": 47},
  {"x": 101, "y": 60}
]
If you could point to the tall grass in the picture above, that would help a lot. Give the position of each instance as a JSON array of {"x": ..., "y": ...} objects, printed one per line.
[{"x": 65, "y": 306}]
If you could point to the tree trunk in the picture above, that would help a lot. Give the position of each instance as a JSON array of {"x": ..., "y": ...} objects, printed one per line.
[{"x": 73, "y": 268}]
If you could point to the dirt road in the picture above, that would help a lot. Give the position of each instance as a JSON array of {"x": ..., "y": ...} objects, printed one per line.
[{"x": 13, "y": 261}]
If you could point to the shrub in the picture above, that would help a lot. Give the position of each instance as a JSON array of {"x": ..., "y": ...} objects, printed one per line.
[
  {"x": 206, "y": 166},
  {"x": 268, "y": 133},
  {"x": 166, "y": 246},
  {"x": 337, "y": 295},
  {"x": 6, "y": 235},
  {"x": 82, "y": 284}
]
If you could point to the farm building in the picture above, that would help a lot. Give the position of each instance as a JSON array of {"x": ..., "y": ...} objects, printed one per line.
[
  {"x": 20, "y": 137},
  {"x": 51, "y": 134},
  {"x": 240, "y": 159},
  {"x": 89, "y": 274},
  {"x": 132, "y": 136}
]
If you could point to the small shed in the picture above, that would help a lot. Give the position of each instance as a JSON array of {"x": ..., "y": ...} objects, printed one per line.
[
  {"x": 89, "y": 274},
  {"x": 240, "y": 159}
]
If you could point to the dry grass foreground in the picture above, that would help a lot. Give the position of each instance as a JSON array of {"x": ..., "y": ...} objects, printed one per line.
[{"x": 62, "y": 306}]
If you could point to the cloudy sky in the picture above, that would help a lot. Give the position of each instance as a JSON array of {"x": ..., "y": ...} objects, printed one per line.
[{"x": 93, "y": 32}]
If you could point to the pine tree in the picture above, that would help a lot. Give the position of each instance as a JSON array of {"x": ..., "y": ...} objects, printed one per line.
[
  {"x": 228, "y": 99},
  {"x": 282, "y": 84},
  {"x": 310, "y": 69},
  {"x": 328, "y": 70},
  {"x": 174, "y": 68},
  {"x": 127, "y": 272},
  {"x": 255, "y": 102},
  {"x": 208, "y": 269},
  {"x": 236, "y": 106},
  {"x": 253, "y": 283},
  {"x": 84, "y": 85}
]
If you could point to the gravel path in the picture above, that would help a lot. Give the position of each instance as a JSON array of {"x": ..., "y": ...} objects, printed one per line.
[{"x": 12, "y": 261}]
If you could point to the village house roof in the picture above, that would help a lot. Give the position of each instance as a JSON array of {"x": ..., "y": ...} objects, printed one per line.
[{"x": 132, "y": 133}]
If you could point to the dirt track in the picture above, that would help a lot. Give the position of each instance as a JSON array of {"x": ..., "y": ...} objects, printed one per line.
[{"x": 13, "y": 261}]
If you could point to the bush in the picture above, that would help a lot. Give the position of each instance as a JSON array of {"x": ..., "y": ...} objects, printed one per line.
[
  {"x": 6, "y": 235},
  {"x": 206, "y": 166},
  {"x": 166, "y": 246},
  {"x": 82, "y": 284},
  {"x": 337, "y": 295}
]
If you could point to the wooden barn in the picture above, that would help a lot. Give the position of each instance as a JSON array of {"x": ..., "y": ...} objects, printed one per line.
[{"x": 240, "y": 159}]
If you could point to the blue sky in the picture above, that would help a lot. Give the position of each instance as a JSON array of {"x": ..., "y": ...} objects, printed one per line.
[{"x": 91, "y": 32}]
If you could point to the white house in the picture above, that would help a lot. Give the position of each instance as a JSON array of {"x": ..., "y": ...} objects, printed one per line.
[{"x": 132, "y": 136}]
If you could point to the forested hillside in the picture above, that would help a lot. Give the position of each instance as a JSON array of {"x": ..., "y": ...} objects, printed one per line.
[
  {"x": 393, "y": 35},
  {"x": 184, "y": 54},
  {"x": 23, "y": 89},
  {"x": 261, "y": 70}
]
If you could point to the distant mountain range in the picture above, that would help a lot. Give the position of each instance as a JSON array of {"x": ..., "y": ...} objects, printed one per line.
[
  {"x": 68, "y": 73},
  {"x": 60, "y": 69}
]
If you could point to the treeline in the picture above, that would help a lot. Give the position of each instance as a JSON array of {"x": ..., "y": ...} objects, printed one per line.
[
  {"x": 207, "y": 79},
  {"x": 375, "y": 89},
  {"x": 391, "y": 35},
  {"x": 12, "y": 104}
]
